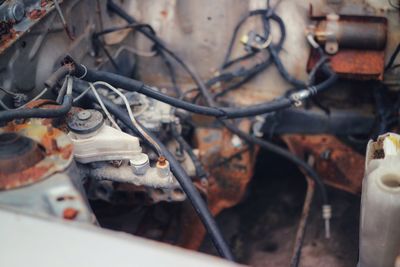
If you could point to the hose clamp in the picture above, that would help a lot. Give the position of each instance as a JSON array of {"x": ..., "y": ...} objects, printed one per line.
[{"x": 299, "y": 96}]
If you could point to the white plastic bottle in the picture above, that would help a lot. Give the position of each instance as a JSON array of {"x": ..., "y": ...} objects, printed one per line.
[{"x": 380, "y": 203}]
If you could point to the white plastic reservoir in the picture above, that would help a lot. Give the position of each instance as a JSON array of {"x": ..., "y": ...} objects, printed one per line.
[{"x": 380, "y": 203}]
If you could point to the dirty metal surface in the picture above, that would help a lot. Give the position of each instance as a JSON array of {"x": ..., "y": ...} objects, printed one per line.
[
  {"x": 11, "y": 33},
  {"x": 230, "y": 164},
  {"x": 338, "y": 165},
  {"x": 57, "y": 149},
  {"x": 261, "y": 230},
  {"x": 355, "y": 64}
]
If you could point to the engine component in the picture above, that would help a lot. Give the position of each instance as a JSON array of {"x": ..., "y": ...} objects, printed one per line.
[
  {"x": 151, "y": 113},
  {"x": 380, "y": 205},
  {"x": 38, "y": 174},
  {"x": 97, "y": 143},
  {"x": 159, "y": 183},
  {"x": 134, "y": 65},
  {"x": 336, "y": 33},
  {"x": 93, "y": 141},
  {"x": 356, "y": 43}
]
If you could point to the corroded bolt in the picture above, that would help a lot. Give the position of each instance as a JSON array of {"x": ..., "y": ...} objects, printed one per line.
[
  {"x": 162, "y": 161},
  {"x": 70, "y": 213}
]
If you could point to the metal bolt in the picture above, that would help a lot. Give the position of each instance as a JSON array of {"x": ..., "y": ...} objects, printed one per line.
[{"x": 84, "y": 115}]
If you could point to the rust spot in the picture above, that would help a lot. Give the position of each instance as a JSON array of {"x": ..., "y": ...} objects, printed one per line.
[
  {"x": 70, "y": 213},
  {"x": 343, "y": 168},
  {"x": 48, "y": 152},
  {"x": 28, "y": 176},
  {"x": 162, "y": 161},
  {"x": 36, "y": 14},
  {"x": 227, "y": 182}
]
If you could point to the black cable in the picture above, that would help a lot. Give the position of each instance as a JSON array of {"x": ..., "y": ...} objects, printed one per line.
[
  {"x": 282, "y": 70},
  {"x": 133, "y": 25},
  {"x": 150, "y": 34},
  {"x": 184, "y": 180},
  {"x": 393, "y": 57},
  {"x": 172, "y": 74},
  {"x": 26, "y": 113},
  {"x": 147, "y": 30},
  {"x": 283, "y": 153},
  {"x": 128, "y": 84},
  {"x": 249, "y": 74},
  {"x": 98, "y": 42}
]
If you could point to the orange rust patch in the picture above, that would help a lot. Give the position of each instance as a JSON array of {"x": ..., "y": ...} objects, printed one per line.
[
  {"x": 25, "y": 177},
  {"x": 337, "y": 164}
]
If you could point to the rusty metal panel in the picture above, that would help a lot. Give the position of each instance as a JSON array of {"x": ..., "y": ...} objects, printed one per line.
[
  {"x": 338, "y": 165},
  {"x": 230, "y": 164}
]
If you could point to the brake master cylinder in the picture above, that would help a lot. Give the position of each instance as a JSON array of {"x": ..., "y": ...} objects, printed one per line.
[
  {"x": 380, "y": 203},
  {"x": 95, "y": 141}
]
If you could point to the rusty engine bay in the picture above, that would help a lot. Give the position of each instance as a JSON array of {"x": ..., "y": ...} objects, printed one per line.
[{"x": 202, "y": 133}]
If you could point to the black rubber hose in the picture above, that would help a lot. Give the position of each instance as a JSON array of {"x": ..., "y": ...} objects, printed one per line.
[
  {"x": 58, "y": 75},
  {"x": 128, "y": 84},
  {"x": 26, "y": 113},
  {"x": 184, "y": 180}
]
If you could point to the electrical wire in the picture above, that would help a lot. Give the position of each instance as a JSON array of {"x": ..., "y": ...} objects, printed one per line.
[
  {"x": 133, "y": 120},
  {"x": 110, "y": 118},
  {"x": 81, "y": 95},
  {"x": 393, "y": 58}
]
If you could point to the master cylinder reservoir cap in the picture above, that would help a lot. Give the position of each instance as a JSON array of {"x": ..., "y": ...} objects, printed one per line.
[{"x": 86, "y": 121}]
